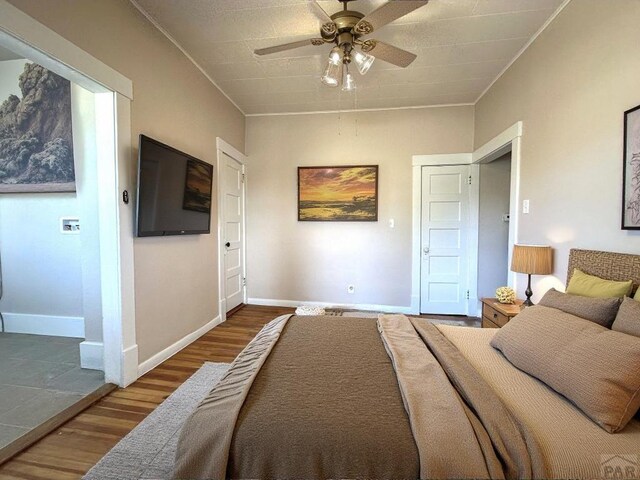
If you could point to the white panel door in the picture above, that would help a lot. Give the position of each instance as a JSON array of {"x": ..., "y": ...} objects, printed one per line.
[
  {"x": 445, "y": 227},
  {"x": 233, "y": 230}
]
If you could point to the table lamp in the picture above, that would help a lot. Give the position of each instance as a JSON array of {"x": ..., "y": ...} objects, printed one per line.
[{"x": 532, "y": 260}]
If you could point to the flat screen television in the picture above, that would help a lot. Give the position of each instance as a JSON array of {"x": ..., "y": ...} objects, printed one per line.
[{"x": 174, "y": 191}]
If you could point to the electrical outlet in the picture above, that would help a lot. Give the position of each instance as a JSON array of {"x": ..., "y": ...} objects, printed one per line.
[
  {"x": 351, "y": 288},
  {"x": 525, "y": 206}
]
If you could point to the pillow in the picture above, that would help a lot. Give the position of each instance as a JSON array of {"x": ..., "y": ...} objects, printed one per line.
[
  {"x": 593, "y": 367},
  {"x": 591, "y": 286},
  {"x": 628, "y": 318},
  {"x": 637, "y": 295},
  {"x": 600, "y": 310}
]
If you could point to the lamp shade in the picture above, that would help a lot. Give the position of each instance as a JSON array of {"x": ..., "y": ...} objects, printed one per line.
[{"x": 532, "y": 259}]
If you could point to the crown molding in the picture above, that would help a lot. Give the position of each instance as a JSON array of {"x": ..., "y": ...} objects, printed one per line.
[
  {"x": 356, "y": 110},
  {"x": 524, "y": 48},
  {"x": 184, "y": 51}
]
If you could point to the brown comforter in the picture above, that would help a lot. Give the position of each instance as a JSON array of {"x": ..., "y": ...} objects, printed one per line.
[{"x": 324, "y": 397}]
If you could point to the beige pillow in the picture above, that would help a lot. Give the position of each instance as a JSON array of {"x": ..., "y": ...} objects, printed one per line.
[
  {"x": 591, "y": 286},
  {"x": 600, "y": 310},
  {"x": 593, "y": 367},
  {"x": 628, "y": 318}
]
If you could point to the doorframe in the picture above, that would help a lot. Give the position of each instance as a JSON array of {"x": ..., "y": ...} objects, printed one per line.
[
  {"x": 114, "y": 92},
  {"x": 228, "y": 149},
  {"x": 508, "y": 140},
  {"x": 417, "y": 162}
]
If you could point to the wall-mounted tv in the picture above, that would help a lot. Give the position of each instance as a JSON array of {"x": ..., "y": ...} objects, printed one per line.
[{"x": 174, "y": 191}]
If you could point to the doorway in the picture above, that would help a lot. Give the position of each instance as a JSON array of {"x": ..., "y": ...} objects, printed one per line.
[
  {"x": 444, "y": 232},
  {"x": 231, "y": 231},
  {"x": 493, "y": 225}
]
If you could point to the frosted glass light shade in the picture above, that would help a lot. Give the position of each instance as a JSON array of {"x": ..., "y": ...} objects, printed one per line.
[
  {"x": 348, "y": 82},
  {"x": 333, "y": 71},
  {"x": 363, "y": 61}
]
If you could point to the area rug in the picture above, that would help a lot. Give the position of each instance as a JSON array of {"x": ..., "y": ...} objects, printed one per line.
[{"x": 148, "y": 451}]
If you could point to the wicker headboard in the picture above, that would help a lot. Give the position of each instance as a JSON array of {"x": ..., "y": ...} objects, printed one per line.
[{"x": 609, "y": 265}]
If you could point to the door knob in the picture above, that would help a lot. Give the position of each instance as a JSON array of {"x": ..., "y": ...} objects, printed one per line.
[
  {"x": 426, "y": 250},
  {"x": 228, "y": 244}
]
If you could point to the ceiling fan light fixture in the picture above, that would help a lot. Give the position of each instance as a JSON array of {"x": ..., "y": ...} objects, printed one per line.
[
  {"x": 333, "y": 71},
  {"x": 363, "y": 61},
  {"x": 335, "y": 55},
  {"x": 348, "y": 82}
]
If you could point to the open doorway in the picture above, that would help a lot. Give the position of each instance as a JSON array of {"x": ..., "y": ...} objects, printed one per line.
[
  {"x": 493, "y": 225},
  {"x": 50, "y": 303},
  {"x": 79, "y": 240}
]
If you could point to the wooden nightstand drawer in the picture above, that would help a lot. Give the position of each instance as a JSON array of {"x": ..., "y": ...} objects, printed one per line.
[
  {"x": 486, "y": 323},
  {"x": 494, "y": 316},
  {"x": 497, "y": 315}
]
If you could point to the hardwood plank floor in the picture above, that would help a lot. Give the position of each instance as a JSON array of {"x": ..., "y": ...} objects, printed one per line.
[{"x": 71, "y": 450}]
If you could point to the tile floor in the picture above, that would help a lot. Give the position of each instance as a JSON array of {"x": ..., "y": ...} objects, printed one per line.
[{"x": 39, "y": 377}]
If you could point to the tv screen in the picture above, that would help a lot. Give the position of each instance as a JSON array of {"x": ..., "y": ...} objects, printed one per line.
[{"x": 174, "y": 191}]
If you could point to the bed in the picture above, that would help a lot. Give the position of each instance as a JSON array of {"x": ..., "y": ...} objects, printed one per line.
[{"x": 398, "y": 397}]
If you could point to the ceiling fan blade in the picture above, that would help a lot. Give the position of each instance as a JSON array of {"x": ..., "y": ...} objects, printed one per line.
[
  {"x": 394, "y": 55},
  {"x": 329, "y": 28},
  {"x": 289, "y": 46},
  {"x": 319, "y": 12},
  {"x": 387, "y": 13}
]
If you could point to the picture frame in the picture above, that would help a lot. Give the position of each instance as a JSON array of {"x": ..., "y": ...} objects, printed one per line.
[
  {"x": 36, "y": 147},
  {"x": 631, "y": 170},
  {"x": 343, "y": 193}
]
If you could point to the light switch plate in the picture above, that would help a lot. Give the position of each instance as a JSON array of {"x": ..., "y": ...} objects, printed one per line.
[{"x": 70, "y": 225}]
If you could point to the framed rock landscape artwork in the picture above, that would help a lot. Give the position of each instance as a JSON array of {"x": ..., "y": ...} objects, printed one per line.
[
  {"x": 631, "y": 170},
  {"x": 36, "y": 143},
  {"x": 338, "y": 194}
]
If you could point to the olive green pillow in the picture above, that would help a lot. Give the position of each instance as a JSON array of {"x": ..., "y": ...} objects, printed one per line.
[
  {"x": 628, "y": 318},
  {"x": 596, "y": 287},
  {"x": 637, "y": 297}
]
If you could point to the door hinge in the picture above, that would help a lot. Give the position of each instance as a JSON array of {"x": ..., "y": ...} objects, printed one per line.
[
  {"x": 469, "y": 179},
  {"x": 244, "y": 281},
  {"x": 467, "y": 294},
  {"x": 243, "y": 178}
]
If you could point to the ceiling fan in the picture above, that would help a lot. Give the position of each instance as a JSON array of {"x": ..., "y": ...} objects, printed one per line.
[{"x": 345, "y": 29}]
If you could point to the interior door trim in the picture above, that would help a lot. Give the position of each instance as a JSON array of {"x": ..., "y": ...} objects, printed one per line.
[
  {"x": 224, "y": 148},
  {"x": 511, "y": 137}
]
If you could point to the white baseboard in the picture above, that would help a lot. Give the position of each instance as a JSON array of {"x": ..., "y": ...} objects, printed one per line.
[
  {"x": 44, "y": 325},
  {"x": 92, "y": 355},
  {"x": 130, "y": 365},
  {"x": 171, "y": 350},
  {"x": 352, "y": 306}
]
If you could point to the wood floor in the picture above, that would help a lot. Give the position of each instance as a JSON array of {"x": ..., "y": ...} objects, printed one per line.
[{"x": 71, "y": 450}]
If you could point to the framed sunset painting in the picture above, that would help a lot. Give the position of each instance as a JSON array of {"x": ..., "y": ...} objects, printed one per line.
[{"x": 338, "y": 194}]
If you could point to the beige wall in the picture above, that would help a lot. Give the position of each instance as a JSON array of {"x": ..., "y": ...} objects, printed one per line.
[
  {"x": 315, "y": 261},
  {"x": 570, "y": 89},
  {"x": 176, "y": 279}
]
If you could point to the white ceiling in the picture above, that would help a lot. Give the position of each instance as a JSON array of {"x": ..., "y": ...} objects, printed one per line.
[{"x": 462, "y": 46}]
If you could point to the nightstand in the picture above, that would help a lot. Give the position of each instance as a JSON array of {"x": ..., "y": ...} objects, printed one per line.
[{"x": 496, "y": 314}]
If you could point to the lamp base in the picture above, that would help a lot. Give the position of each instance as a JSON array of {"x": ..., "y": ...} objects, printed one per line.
[{"x": 528, "y": 292}]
